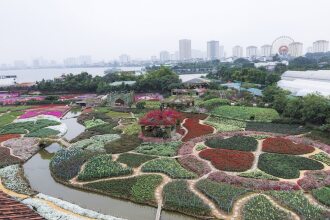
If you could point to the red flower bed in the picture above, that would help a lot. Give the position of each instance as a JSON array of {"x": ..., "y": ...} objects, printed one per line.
[
  {"x": 193, "y": 115},
  {"x": 285, "y": 146},
  {"x": 6, "y": 137},
  {"x": 195, "y": 129},
  {"x": 167, "y": 117},
  {"x": 228, "y": 160}
]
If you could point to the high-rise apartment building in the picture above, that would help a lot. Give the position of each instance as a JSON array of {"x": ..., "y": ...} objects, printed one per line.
[
  {"x": 185, "y": 49},
  {"x": 321, "y": 46},
  {"x": 296, "y": 49},
  {"x": 164, "y": 56},
  {"x": 213, "y": 50},
  {"x": 266, "y": 50},
  {"x": 238, "y": 51},
  {"x": 222, "y": 54},
  {"x": 251, "y": 51}
]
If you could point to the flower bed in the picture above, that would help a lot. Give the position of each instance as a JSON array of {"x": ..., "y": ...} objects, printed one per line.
[
  {"x": 224, "y": 195},
  {"x": 102, "y": 166},
  {"x": 292, "y": 129},
  {"x": 322, "y": 195},
  {"x": 313, "y": 143},
  {"x": 124, "y": 144},
  {"x": 54, "y": 110},
  {"x": 168, "y": 166},
  {"x": 228, "y": 160},
  {"x": 322, "y": 157},
  {"x": 6, "y": 137},
  {"x": 285, "y": 146},
  {"x": 286, "y": 166},
  {"x": 246, "y": 113},
  {"x": 167, "y": 149},
  {"x": 195, "y": 129},
  {"x": 300, "y": 204},
  {"x": 139, "y": 189},
  {"x": 315, "y": 179},
  {"x": 134, "y": 160},
  {"x": 258, "y": 174},
  {"x": 195, "y": 165},
  {"x": 178, "y": 197},
  {"x": 12, "y": 177},
  {"x": 43, "y": 133},
  {"x": 259, "y": 207},
  {"x": 93, "y": 123},
  {"x": 223, "y": 124},
  {"x": 249, "y": 183},
  {"x": 241, "y": 143},
  {"x": 23, "y": 148},
  {"x": 6, "y": 159}
]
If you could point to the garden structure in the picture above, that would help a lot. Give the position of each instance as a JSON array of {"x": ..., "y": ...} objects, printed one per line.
[
  {"x": 220, "y": 168},
  {"x": 160, "y": 123},
  {"x": 120, "y": 99},
  {"x": 178, "y": 102}
]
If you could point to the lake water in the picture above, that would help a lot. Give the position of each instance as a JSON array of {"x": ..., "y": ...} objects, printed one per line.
[{"x": 32, "y": 75}]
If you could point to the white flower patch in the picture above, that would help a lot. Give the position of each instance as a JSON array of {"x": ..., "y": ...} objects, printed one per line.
[
  {"x": 76, "y": 209},
  {"x": 62, "y": 128},
  {"x": 12, "y": 178}
]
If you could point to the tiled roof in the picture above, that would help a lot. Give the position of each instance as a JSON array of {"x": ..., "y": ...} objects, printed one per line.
[{"x": 12, "y": 209}]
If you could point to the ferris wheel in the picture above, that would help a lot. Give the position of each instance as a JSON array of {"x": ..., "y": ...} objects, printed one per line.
[{"x": 281, "y": 45}]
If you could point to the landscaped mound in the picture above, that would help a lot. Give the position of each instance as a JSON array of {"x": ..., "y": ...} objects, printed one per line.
[
  {"x": 228, "y": 160},
  {"x": 285, "y": 146},
  {"x": 178, "y": 197},
  {"x": 286, "y": 166},
  {"x": 224, "y": 195},
  {"x": 241, "y": 143},
  {"x": 195, "y": 129},
  {"x": 246, "y": 113},
  {"x": 102, "y": 166},
  {"x": 168, "y": 166},
  {"x": 139, "y": 189}
]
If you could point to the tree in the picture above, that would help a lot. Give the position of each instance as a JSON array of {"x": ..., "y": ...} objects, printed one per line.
[
  {"x": 315, "y": 109},
  {"x": 280, "y": 102},
  {"x": 271, "y": 91},
  {"x": 272, "y": 78},
  {"x": 293, "y": 108}
]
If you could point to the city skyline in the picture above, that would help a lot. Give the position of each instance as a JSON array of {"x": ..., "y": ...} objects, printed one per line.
[{"x": 71, "y": 28}]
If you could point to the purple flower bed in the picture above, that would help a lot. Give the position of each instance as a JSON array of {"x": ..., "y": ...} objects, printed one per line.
[
  {"x": 315, "y": 179},
  {"x": 195, "y": 165},
  {"x": 256, "y": 184}
]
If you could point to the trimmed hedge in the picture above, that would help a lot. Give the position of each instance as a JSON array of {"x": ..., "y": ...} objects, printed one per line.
[
  {"x": 286, "y": 166},
  {"x": 103, "y": 166},
  {"x": 246, "y": 113},
  {"x": 241, "y": 143},
  {"x": 224, "y": 195},
  {"x": 168, "y": 149},
  {"x": 178, "y": 197},
  {"x": 139, "y": 189},
  {"x": 259, "y": 207},
  {"x": 168, "y": 166},
  {"x": 134, "y": 160}
]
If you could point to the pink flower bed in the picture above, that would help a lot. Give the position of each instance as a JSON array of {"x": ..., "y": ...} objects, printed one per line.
[
  {"x": 148, "y": 97},
  {"x": 315, "y": 179},
  {"x": 195, "y": 165},
  {"x": 54, "y": 110},
  {"x": 256, "y": 184}
]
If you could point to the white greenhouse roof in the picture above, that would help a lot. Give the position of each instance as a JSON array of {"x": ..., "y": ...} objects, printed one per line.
[
  {"x": 7, "y": 82},
  {"x": 317, "y": 75},
  {"x": 302, "y": 87}
]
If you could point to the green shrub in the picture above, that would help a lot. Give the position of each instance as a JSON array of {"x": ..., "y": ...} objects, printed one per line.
[
  {"x": 178, "y": 197},
  {"x": 224, "y": 195},
  {"x": 215, "y": 102},
  {"x": 124, "y": 144},
  {"x": 93, "y": 123},
  {"x": 299, "y": 203},
  {"x": 258, "y": 174},
  {"x": 322, "y": 195},
  {"x": 242, "y": 143},
  {"x": 102, "y": 166},
  {"x": 286, "y": 166},
  {"x": 246, "y": 113},
  {"x": 138, "y": 189},
  {"x": 168, "y": 166},
  {"x": 168, "y": 149},
  {"x": 134, "y": 160},
  {"x": 141, "y": 105},
  {"x": 259, "y": 207},
  {"x": 323, "y": 157},
  {"x": 132, "y": 129}
]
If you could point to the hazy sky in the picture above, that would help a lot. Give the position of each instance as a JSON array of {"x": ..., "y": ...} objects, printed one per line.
[{"x": 104, "y": 29}]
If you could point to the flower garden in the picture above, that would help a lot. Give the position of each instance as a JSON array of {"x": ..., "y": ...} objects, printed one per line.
[{"x": 211, "y": 166}]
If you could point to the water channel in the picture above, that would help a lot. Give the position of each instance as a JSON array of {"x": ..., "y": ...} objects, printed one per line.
[{"x": 38, "y": 173}]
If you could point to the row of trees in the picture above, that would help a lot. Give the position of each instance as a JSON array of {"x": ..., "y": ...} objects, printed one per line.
[{"x": 312, "y": 108}]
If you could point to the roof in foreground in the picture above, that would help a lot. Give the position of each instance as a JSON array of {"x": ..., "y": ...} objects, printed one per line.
[{"x": 318, "y": 75}]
